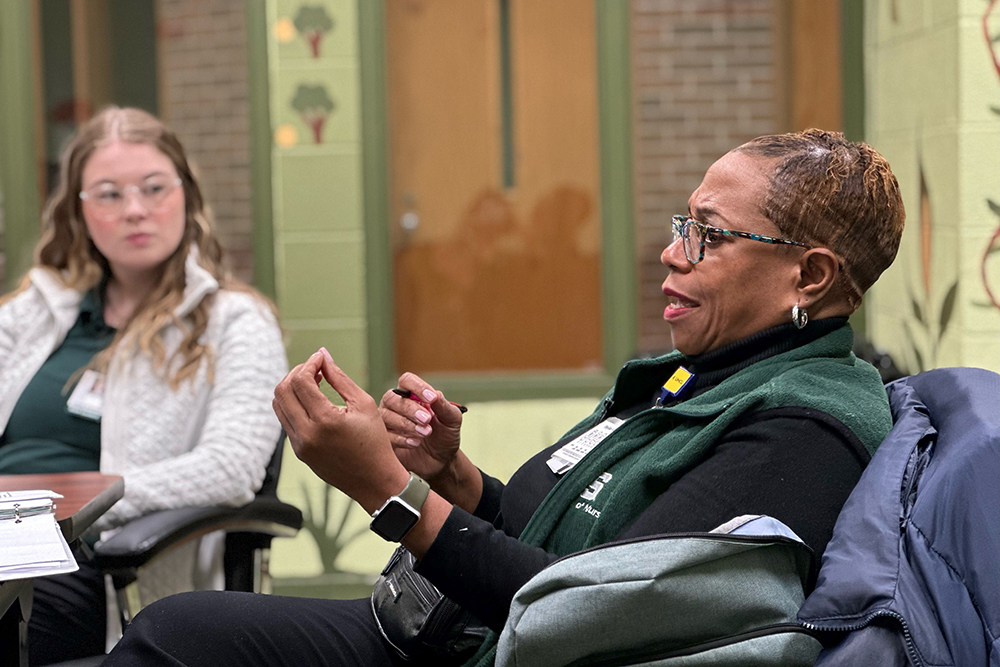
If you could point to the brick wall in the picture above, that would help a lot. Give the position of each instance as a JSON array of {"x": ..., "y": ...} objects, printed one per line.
[
  {"x": 204, "y": 99},
  {"x": 704, "y": 81}
]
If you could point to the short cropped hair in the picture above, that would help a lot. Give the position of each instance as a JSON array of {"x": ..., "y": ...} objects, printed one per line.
[{"x": 838, "y": 194}]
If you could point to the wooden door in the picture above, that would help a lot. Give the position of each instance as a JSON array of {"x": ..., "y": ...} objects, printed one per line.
[
  {"x": 812, "y": 78},
  {"x": 494, "y": 184}
]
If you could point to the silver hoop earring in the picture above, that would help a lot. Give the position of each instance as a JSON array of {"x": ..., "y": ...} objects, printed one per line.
[{"x": 799, "y": 316}]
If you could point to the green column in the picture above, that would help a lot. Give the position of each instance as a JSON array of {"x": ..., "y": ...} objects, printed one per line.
[
  {"x": 19, "y": 189},
  {"x": 260, "y": 148},
  {"x": 620, "y": 311}
]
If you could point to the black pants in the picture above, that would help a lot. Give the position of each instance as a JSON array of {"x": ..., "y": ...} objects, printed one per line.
[
  {"x": 226, "y": 628},
  {"x": 68, "y": 616}
]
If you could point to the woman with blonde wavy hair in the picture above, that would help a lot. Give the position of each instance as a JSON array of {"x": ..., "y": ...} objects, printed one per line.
[{"x": 129, "y": 349}]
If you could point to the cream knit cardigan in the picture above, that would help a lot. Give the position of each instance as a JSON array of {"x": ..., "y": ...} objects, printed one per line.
[{"x": 205, "y": 444}]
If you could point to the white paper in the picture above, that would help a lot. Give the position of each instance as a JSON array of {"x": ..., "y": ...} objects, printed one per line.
[
  {"x": 26, "y": 495},
  {"x": 31, "y": 543}
]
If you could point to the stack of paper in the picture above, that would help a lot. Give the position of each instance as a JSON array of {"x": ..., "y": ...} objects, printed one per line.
[{"x": 31, "y": 543}]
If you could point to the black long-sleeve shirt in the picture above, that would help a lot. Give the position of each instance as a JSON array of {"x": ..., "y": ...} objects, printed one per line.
[{"x": 795, "y": 464}]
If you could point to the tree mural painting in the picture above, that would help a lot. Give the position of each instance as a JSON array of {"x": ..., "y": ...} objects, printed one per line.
[
  {"x": 934, "y": 329},
  {"x": 314, "y": 105},
  {"x": 313, "y": 22},
  {"x": 993, "y": 246},
  {"x": 327, "y": 523}
]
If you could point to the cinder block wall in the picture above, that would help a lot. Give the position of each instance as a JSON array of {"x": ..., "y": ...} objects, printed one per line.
[
  {"x": 704, "y": 80},
  {"x": 202, "y": 61},
  {"x": 932, "y": 112}
]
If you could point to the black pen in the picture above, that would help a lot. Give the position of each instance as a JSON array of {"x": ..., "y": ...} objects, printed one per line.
[{"x": 406, "y": 393}]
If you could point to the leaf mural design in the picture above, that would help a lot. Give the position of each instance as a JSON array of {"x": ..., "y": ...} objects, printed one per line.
[
  {"x": 947, "y": 310},
  {"x": 991, "y": 247},
  {"x": 922, "y": 316},
  {"x": 925, "y": 230},
  {"x": 913, "y": 346},
  {"x": 917, "y": 310},
  {"x": 318, "y": 523},
  {"x": 990, "y": 41},
  {"x": 922, "y": 306}
]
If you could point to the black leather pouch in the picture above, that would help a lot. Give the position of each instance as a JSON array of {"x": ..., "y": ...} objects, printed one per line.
[{"x": 416, "y": 619}]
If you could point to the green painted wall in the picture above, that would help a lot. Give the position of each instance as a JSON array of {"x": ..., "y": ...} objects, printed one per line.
[{"x": 933, "y": 110}]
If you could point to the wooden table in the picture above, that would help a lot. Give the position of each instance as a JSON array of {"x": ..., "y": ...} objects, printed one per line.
[{"x": 87, "y": 495}]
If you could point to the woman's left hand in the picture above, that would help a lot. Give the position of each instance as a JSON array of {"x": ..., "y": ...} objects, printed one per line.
[{"x": 348, "y": 447}]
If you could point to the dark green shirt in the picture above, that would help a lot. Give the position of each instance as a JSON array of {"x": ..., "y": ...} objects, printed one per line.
[{"x": 42, "y": 436}]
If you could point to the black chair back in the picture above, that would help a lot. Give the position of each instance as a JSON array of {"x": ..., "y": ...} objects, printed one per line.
[
  {"x": 240, "y": 556},
  {"x": 273, "y": 470}
]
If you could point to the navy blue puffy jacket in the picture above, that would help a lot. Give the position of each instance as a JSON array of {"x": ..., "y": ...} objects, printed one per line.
[{"x": 912, "y": 574}]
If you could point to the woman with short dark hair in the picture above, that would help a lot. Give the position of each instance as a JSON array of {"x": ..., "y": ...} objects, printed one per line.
[{"x": 762, "y": 409}]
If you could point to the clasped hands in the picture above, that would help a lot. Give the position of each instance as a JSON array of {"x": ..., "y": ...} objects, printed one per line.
[{"x": 364, "y": 449}]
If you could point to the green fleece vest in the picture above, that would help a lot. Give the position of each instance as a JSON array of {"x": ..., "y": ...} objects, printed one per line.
[{"x": 824, "y": 375}]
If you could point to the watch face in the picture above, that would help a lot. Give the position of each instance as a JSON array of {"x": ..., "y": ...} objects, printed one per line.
[{"x": 394, "y": 520}]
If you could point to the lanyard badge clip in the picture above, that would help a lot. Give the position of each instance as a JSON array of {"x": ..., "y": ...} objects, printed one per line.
[{"x": 676, "y": 386}]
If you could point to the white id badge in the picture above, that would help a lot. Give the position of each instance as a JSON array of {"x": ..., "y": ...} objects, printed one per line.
[
  {"x": 87, "y": 399},
  {"x": 567, "y": 456}
]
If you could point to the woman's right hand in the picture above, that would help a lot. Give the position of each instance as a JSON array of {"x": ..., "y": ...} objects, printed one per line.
[{"x": 425, "y": 434}]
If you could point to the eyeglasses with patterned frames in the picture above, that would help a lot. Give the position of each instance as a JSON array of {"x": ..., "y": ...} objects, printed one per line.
[
  {"x": 694, "y": 233},
  {"x": 109, "y": 198}
]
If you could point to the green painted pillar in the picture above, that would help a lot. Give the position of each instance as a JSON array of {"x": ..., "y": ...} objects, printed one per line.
[
  {"x": 309, "y": 206},
  {"x": 19, "y": 188},
  {"x": 316, "y": 178}
]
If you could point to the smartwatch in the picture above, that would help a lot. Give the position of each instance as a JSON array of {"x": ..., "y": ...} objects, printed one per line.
[{"x": 401, "y": 512}]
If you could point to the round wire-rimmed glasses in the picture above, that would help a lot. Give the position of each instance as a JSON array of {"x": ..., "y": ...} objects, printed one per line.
[
  {"x": 694, "y": 233},
  {"x": 109, "y": 198}
]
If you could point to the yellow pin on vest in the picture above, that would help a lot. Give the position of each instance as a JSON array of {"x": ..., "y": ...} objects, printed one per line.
[
  {"x": 678, "y": 380},
  {"x": 675, "y": 386}
]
